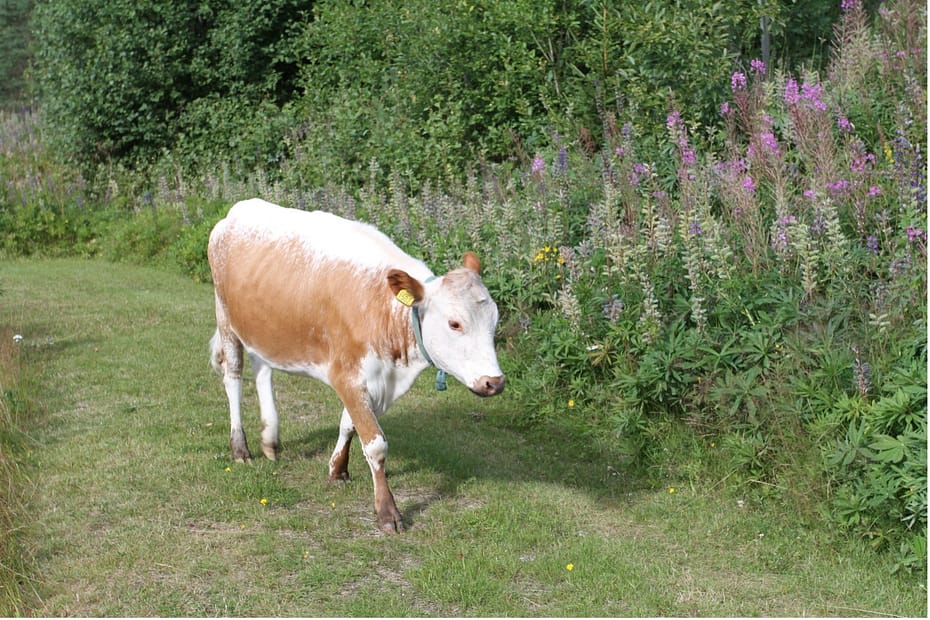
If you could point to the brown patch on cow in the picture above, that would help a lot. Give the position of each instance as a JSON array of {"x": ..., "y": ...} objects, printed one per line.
[{"x": 334, "y": 323}]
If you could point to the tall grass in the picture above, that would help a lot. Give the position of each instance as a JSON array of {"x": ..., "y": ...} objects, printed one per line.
[
  {"x": 17, "y": 391},
  {"x": 751, "y": 311}
]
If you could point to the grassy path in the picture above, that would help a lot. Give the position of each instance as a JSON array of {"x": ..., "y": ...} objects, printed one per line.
[{"x": 136, "y": 510}]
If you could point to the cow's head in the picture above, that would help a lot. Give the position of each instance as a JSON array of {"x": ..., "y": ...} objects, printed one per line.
[{"x": 458, "y": 320}]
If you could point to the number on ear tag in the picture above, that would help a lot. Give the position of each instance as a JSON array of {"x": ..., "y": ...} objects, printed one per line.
[{"x": 405, "y": 297}]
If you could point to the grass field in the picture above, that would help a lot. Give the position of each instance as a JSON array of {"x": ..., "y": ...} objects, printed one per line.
[{"x": 134, "y": 508}]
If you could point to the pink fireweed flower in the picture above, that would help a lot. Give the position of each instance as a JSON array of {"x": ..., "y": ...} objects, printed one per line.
[
  {"x": 757, "y": 66},
  {"x": 792, "y": 95},
  {"x": 915, "y": 234},
  {"x": 749, "y": 185},
  {"x": 811, "y": 94},
  {"x": 768, "y": 140},
  {"x": 844, "y": 124},
  {"x": 725, "y": 108},
  {"x": 687, "y": 155},
  {"x": 673, "y": 120},
  {"x": 838, "y": 188},
  {"x": 538, "y": 166},
  {"x": 875, "y": 191},
  {"x": 737, "y": 81}
]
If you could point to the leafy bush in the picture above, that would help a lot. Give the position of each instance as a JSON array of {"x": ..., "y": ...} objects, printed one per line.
[{"x": 127, "y": 80}]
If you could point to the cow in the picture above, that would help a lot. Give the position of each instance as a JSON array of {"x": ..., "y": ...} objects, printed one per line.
[{"x": 314, "y": 294}]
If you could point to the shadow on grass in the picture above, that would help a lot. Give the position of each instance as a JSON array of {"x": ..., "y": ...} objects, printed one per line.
[{"x": 456, "y": 439}]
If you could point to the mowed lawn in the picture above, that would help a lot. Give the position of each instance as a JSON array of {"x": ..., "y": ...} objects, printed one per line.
[{"x": 135, "y": 508}]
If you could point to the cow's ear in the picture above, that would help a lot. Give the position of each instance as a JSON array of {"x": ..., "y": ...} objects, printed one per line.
[
  {"x": 470, "y": 260},
  {"x": 406, "y": 288}
]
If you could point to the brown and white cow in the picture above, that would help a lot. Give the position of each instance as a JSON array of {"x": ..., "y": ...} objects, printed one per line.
[{"x": 314, "y": 294}]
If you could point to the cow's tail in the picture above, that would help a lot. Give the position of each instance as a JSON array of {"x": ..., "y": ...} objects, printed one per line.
[{"x": 217, "y": 356}]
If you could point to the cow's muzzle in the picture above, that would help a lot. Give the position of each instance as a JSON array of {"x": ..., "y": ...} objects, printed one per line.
[{"x": 489, "y": 386}]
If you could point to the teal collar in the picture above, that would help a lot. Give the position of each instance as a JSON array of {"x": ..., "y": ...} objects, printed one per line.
[{"x": 418, "y": 334}]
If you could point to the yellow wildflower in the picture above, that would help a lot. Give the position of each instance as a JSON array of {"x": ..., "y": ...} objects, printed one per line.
[
  {"x": 569, "y": 567},
  {"x": 671, "y": 490},
  {"x": 571, "y": 403},
  {"x": 264, "y": 502}
]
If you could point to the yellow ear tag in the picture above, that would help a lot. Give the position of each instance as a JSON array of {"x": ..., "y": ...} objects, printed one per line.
[{"x": 405, "y": 297}]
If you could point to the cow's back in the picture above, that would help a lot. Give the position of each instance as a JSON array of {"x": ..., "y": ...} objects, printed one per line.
[{"x": 295, "y": 285}]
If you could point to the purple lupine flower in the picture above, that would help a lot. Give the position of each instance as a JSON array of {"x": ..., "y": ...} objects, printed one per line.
[
  {"x": 871, "y": 244},
  {"x": 848, "y": 5},
  {"x": 737, "y": 81},
  {"x": 757, "y": 66},
  {"x": 694, "y": 228},
  {"x": 780, "y": 238},
  {"x": 613, "y": 308},
  {"x": 561, "y": 160}
]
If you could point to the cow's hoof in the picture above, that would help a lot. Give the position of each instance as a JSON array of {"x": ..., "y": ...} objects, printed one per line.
[
  {"x": 271, "y": 451},
  {"x": 391, "y": 524},
  {"x": 239, "y": 448},
  {"x": 339, "y": 476}
]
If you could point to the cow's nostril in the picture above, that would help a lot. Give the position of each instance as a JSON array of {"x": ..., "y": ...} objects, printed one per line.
[{"x": 488, "y": 386}]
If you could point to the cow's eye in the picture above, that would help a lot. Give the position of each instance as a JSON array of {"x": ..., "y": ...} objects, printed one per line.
[{"x": 455, "y": 326}]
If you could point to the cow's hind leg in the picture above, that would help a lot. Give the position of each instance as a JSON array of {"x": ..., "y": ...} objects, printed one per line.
[
  {"x": 339, "y": 461},
  {"x": 227, "y": 358},
  {"x": 270, "y": 444}
]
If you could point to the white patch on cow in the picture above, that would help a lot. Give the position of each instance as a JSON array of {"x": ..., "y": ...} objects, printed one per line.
[
  {"x": 386, "y": 382},
  {"x": 324, "y": 235},
  {"x": 375, "y": 452}
]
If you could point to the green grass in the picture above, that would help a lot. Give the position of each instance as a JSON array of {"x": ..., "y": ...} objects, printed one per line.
[{"x": 134, "y": 513}]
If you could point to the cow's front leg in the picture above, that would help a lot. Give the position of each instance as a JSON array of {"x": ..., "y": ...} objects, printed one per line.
[
  {"x": 389, "y": 519},
  {"x": 374, "y": 445},
  {"x": 339, "y": 461}
]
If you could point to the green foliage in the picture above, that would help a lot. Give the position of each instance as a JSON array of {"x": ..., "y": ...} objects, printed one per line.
[
  {"x": 127, "y": 80},
  {"x": 14, "y": 50},
  {"x": 426, "y": 88}
]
